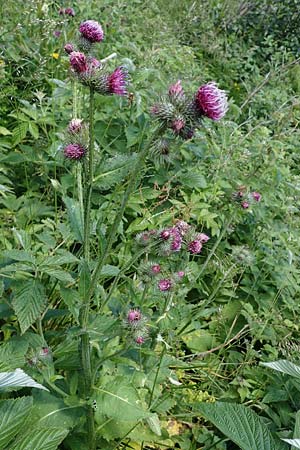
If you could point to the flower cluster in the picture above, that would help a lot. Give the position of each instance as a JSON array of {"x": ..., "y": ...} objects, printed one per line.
[
  {"x": 67, "y": 11},
  {"x": 135, "y": 322},
  {"x": 89, "y": 70},
  {"x": 246, "y": 199},
  {"x": 182, "y": 114},
  {"x": 76, "y": 140}
]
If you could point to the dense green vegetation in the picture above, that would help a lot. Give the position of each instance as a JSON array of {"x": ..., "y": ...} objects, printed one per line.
[{"x": 208, "y": 345}]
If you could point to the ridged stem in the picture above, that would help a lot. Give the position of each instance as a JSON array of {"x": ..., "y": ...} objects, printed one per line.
[{"x": 85, "y": 350}]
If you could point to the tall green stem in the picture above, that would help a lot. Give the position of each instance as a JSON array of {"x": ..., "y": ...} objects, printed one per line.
[{"x": 85, "y": 350}]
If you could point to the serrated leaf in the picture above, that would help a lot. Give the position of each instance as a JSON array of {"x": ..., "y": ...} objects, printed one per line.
[
  {"x": 33, "y": 130},
  {"x": 284, "y": 366},
  {"x": 84, "y": 279},
  {"x": 193, "y": 180},
  {"x": 19, "y": 255},
  {"x": 13, "y": 414},
  {"x": 4, "y": 131},
  {"x": 59, "y": 274},
  {"x": 72, "y": 300},
  {"x": 294, "y": 442},
  {"x": 29, "y": 302},
  {"x": 154, "y": 424},
  {"x": 41, "y": 439},
  {"x": 110, "y": 271},
  {"x": 12, "y": 354},
  {"x": 120, "y": 401},
  {"x": 114, "y": 170},
  {"x": 19, "y": 133},
  {"x": 75, "y": 218},
  {"x": 240, "y": 424},
  {"x": 60, "y": 259},
  {"x": 17, "y": 379}
]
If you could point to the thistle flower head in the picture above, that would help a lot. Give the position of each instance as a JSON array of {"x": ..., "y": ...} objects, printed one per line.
[
  {"x": 182, "y": 226},
  {"x": 178, "y": 124},
  {"x": 155, "y": 269},
  {"x": 134, "y": 315},
  {"x": 69, "y": 48},
  {"x": 195, "y": 246},
  {"x": 57, "y": 33},
  {"x": 146, "y": 237},
  {"x": 256, "y": 196},
  {"x": 203, "y": 237},
  {"x": 176, "y": 240},
  {"x": 91, "y": 30},
  {"x": 181, "y": 274},
  {"x": 211, "y": 101},
  {"x": 78, "y": 62},
  {"x": 75, "y": 126},
  {"x": 70, "y": 12},
  {"x": 74, "y": 151},
  {"x": 245, "y": 205},
  {"x": 165, "y": 234},
  {"x": 139, "y": 340},
  {"x": 176, "y": 90},
  {"x": 165, "y": 284},
  {"x": 117, "y": 81}
]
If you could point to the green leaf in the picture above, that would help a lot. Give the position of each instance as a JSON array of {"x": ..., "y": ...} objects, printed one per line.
[
  {"x": 284, "y": 366},
  {"x": 75, "y": 218},
  {"x": 29, "y": 302},
  {"x": 84, "y": 279},
  {"x": 33, "y": 130},
  {"x": 109, "y": 271},
  {"x": 4, "y": 131},
  {"x": 13, "y": 414},
  {"x": 60, "y": 259},
  {"x": 60, "y": 275},
  {"x": 296, "y": 434},
  {"x": 154, "y": 424},
  {"x": 294, "y": 442},
  {"x": 17, "y": 379},
  {"x": 19, "y": 133},
  {"x": 12, "y": 354},
  {"x": 40, "y": 438},
  {"x": 240, "y": 424},
  {"x": 72, "y": 300},
  {"x": 119, "y": 400},
  {"x": 193, "y": 180},
  {"x": 114, "y": 170},
  {"x": 19, "y": 255}
]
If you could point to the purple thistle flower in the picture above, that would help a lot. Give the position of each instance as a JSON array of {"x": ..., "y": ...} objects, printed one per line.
[
  {"x": 155, "y": 269},
  {"x": 94, "y": 63},
  {"x": 245, "y": 205},
  {"x": 78, "y": 62},
  {"x": 75, "y": 126},
  {"x": 56, "y": 33},
  {"x": 176, "y": 90},
  {"x": 177, "y": 125},
  {"x": 117, "y": 81},
  {"x": 134, "y": 315},
  {"x": 256, "y": 196},
  {"x": 182, "y": 227},
  {"x": 211, "y": 101},
  {"x": 165, "y": 284},
  {"x": 165, "y": 234},
  {"x": 70, "y": 12},
  {"x": 139, "y": 340},
  {"x": 176, "y": 241},
  {"x": 74, "y": 151},
  {"x": 203, "y": 237},
  {"x": 91, "y": 30},
  {"x": 69, "y": 48},
  {"x": 195, "y": 246},
  {"x": 181, "y": 274}
]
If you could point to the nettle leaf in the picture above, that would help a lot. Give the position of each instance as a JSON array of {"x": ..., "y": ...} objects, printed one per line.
[
  {"x": 284, "y": 366},
  {"x": 294, "y": 442},
  {"x": 29, "y": 302},
  {"x": 119, "y": 400},
  {"x": 114, "y": 170},
  {"x": 240, "y": 424},
  {"x": 19, "y": 133},
  {"x": 59, "y": 259},
  {"x": 109, "y": 271},
  {"x": 193, "y": 180},
  {"x": 72, "y": 299},
  {"x": 59, "y": 274},
  {"x": 17, "y": 379},
  {"x": 19, "y": 255},
  {"x": 40, "y": 438},
  {"x": 12, "y": 354},
  {"x": 13, "y": 414}
]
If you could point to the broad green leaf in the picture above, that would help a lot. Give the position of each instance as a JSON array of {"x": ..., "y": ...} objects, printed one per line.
[
  {"x": 296, "y": 430},
  {"x": 240, "y": 424},
  {"x": 59, "y": 259},
  {"x": 154, "y": 424},
  {"x": 40, "y": 439},
  {"x": 294, "y": 442},
  {"x": 119, "y": 400},
  {"x": 114, "y": 170},
  {"x": 59, "y": 274},
  {"x": 109, "y": 271},
  {"x": 12, "y": 354},
  {"x": 4, "y": 131},
  {"x": 33, "y": 130},
  {"x": 19, "y": 133},
  {"x": 19, "y": 255},
  {"x": 13, "y": 414},
  {"x": 75, "y": 217},
  {"x": 17, "y": 379},
  {"x": 284, "y": 366},
  {"x": 29, "y": 302},
  {"x": 72, "y": 300}
]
